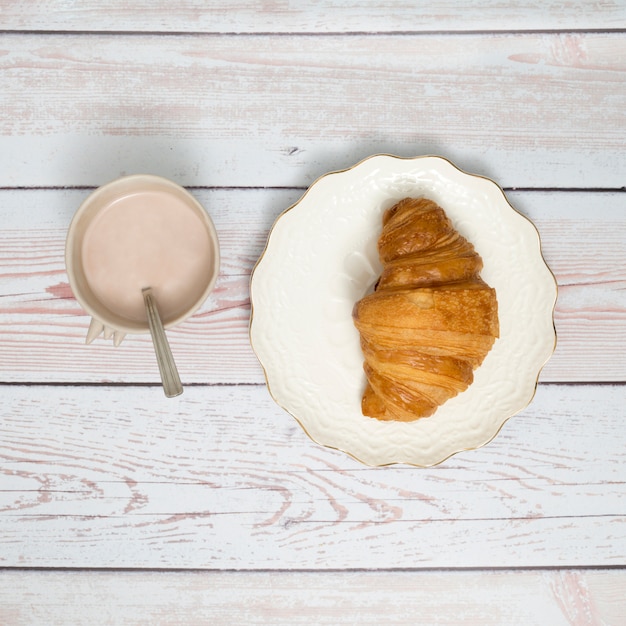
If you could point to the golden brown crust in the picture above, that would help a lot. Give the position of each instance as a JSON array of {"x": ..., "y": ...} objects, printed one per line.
[{"x": 431, "y": 320}]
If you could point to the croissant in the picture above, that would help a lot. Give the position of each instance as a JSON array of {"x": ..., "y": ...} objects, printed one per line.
[{"x": 431, "y": 319}]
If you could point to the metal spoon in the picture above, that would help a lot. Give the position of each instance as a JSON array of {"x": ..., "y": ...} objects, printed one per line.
[{"x": 167, "y": 367}]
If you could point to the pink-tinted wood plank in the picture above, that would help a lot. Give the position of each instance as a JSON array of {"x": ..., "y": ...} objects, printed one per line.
[
  {"x": 531, "y": 110},
  {"x": 311, "y": 16},
  {"x": 43, "y": 329},
  {"x": 536, "y": 598}
]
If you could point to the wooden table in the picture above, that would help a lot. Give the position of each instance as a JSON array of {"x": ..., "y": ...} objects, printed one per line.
[{"x": 118, "y": 505}]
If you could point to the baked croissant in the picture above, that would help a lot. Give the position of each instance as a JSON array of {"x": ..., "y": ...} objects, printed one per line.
[{"x": 431, "y": 319}]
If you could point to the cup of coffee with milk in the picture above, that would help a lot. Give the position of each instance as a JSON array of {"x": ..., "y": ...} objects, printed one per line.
[{"x": 142, "y": 255}]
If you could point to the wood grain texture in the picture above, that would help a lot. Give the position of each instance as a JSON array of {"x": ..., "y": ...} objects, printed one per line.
[
  {"x": 531, "y": 110},
  {"x": 566, "y": 598},
  {"x": 221, "y": 478},
  {"x": 234, "y": 99},
  {"x": 43, "y": 329},
  {"x": 310, "y": 16}
]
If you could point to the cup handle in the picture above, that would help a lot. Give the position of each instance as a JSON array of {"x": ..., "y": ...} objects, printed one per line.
[{"x": 97, "y": 327}]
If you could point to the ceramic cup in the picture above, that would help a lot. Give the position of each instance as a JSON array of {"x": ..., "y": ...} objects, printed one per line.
[{"x": 136, "y": 232}]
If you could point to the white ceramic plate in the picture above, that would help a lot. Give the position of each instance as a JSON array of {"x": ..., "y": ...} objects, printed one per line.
[{"x": 321, "y": 258}]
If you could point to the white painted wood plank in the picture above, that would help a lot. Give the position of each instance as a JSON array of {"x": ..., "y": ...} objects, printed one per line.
[
  {"x": 535, "y": 598},
  {"x": 310, "y": 16},
  {"x": 43, "y": 329},
  {"x": 221, "y": 478},
  {"x": 531, "y": 110}
]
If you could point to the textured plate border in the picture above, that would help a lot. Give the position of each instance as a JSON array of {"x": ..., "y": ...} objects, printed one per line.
[{"x": 320, "y": 258}]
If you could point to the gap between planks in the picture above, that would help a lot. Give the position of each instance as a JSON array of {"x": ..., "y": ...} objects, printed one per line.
[
  {"x": 479, "y": 32},
  {"x": 330, "y": 570}
]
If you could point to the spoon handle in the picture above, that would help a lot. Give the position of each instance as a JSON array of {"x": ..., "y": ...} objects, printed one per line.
[{"x": 167, "y": 367}]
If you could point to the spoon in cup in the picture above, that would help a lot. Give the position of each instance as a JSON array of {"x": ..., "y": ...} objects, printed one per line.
[{"x": 167, "y": 367}]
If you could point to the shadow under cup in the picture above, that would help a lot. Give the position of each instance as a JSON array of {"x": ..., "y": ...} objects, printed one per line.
[{"x": 137, "y": 232}]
